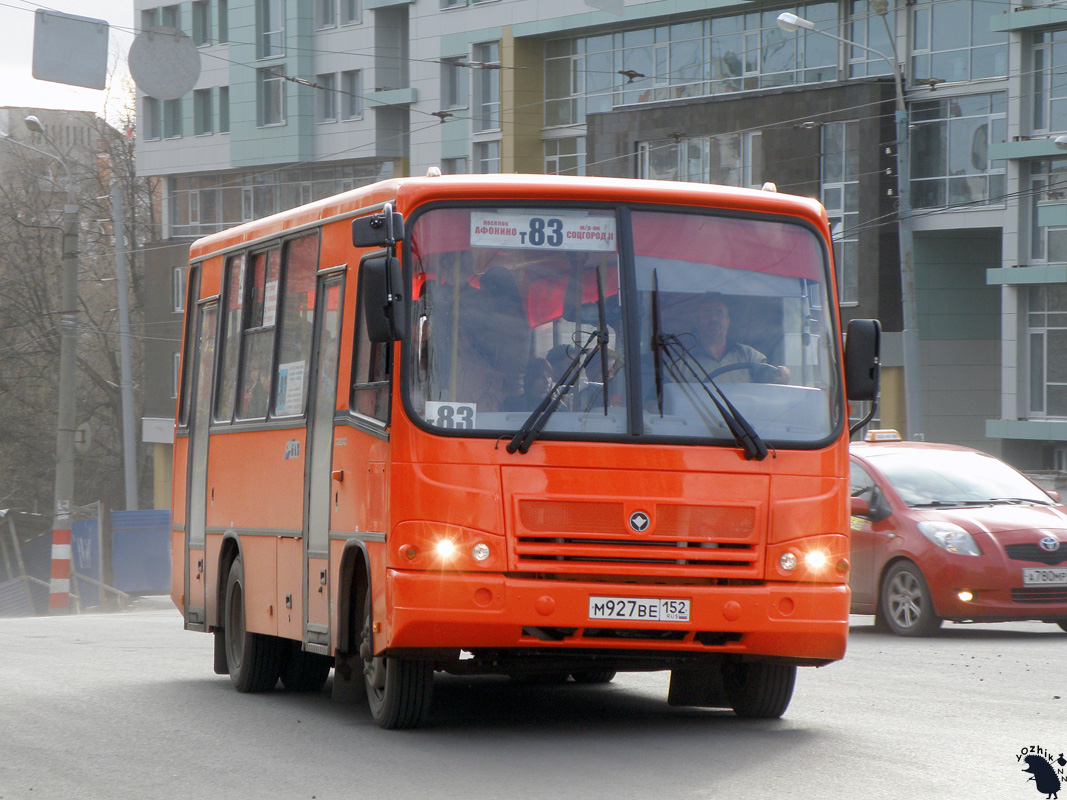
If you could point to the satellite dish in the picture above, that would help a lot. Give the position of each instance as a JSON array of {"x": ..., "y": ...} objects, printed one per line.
[{"x": 164, "y": 63}]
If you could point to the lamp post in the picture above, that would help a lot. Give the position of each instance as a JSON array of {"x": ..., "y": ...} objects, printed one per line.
[
  {"x": 912, "y": 373},
  {"x": 59, "y": 597}
]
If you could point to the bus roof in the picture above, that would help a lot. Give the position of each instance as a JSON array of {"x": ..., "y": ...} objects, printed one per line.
[{"x": 408, "y": 193}]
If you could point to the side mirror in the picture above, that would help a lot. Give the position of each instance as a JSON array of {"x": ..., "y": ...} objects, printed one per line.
[
  {"x": 381, "y": 299},
  {"x": 384, "y": 229},
  {"x": 859, "y": 507},
  {"x": 862, "y": 352}
]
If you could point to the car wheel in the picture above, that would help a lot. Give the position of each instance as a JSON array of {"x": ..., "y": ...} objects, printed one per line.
[
  {"x": 254, "y": 660},
  {"x": 906, "y": 603}
]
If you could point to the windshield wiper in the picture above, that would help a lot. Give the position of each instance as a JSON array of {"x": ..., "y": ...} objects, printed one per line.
[
  {"x": 679, "y": 357},
  {"x": 947, "y": 504},
  {"x": 597, "y": 342},
  {"x": 1016, "y": 501}
]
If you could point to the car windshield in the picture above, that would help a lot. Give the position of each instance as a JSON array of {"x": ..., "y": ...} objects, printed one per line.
[
  {"x": 509, "y": 304},
  {"x": 955, "y": 477}
]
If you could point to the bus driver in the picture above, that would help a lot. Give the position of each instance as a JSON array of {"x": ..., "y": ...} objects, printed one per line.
[{"x": 715, "y": 350}]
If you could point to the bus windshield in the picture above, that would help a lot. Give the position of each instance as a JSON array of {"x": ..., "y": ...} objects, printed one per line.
[{"x": 632, "y": 322}]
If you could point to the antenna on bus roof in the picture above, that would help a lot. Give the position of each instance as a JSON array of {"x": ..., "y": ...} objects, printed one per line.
[
  {"x": 433, "y": 172},
  {"x": 769, "y": 186}
]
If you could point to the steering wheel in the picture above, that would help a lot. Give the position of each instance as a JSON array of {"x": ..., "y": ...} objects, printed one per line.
[{"x": 761, "y": 371}]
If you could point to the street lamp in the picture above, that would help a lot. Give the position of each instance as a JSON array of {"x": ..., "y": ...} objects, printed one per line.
[
  {"x": 912, "y": 379},
  {"x": 59, "y": 598}
]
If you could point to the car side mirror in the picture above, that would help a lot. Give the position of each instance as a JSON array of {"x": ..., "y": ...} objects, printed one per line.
[
  {"x": 876, "y": 509},
  {"x": 859, "y": 507},
  {"x": 1055, "y": 497}
]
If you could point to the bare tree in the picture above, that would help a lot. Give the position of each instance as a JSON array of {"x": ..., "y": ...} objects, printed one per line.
[{"x": 32, "y": 194}]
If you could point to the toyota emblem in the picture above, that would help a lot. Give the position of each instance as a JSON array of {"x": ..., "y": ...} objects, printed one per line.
[
  {"x": 1049, "y": 544},
  {"x": 639, "y": 522}
]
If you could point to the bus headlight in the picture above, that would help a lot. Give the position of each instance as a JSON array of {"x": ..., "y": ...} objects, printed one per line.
[
  {"x": 815, "y": 559},
  {"x": 445, "y": 548}
]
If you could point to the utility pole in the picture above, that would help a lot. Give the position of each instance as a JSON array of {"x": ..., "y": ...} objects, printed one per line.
[
  {"x": 913, "y": 410},
  {"x": 59, "y": 596},
  {"x": 129, "y": 443}
]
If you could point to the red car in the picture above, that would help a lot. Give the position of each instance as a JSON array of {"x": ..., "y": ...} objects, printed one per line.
[{"x": 945, "y": 532}]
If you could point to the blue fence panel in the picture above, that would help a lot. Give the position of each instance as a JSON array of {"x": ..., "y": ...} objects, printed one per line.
[
  {"x": 85, "y": 551},
  {"x": 140, "y": 551}
]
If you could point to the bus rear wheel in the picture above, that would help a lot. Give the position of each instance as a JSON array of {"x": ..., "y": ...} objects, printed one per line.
[
  {"x": 593, "y": 676},
  {"x": 399, "y": 690},
  {"x": 253, "y": 659},
  {"x": 758, "y": 690}
]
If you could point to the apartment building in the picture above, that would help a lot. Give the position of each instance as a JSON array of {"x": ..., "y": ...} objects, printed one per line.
[{"x": 298, "y": 99}]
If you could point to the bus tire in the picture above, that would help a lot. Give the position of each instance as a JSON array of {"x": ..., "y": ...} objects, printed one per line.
[
  {"x": 759, "y": 690},
  {"x": 399, "y": 690},
  {"x": 254, "y": 660},
  {"x": 593, "y": 676},
  {"x": 303, "y": 671}
]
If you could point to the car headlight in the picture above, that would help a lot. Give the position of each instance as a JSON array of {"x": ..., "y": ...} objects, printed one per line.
[{"x": 951, "y": 537}]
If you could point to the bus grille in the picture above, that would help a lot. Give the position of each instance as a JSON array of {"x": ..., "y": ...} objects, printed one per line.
[{"x": 684, "y": 540}]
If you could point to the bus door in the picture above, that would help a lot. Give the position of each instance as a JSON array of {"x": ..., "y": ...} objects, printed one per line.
[
  {"x": 196, "y": 496},
  {"x": 318, "y": 491}
]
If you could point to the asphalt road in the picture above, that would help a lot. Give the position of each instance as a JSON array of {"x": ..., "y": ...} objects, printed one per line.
[{"x": 126, "y": 705}]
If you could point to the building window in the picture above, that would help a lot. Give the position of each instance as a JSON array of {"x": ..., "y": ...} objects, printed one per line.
[
  {"x": 351, "y": 94},
  {"x": 152, "y": 118},
  {"x": 950, "y": 141},
  {"x": 565, "y": 156},
  {"x": 270, "y": 28},
  {"x": 351, "y": 12},
  {"x": 224, "y": 109},
  {"x": 202, "y": 116},
  {"x": 454, "y": 166},
  {"x": 171, "y": 17},
  {"x": 326, "y": 13},
  {"x": 224, "y": 20},
  {"x": 1047, "y": 341},
  {"x": 201, "y": 23},
  {"x": 271, "y": 91},
  {"x": 870, "y": 30},
  {"x": 487, "y": 87},
  {"x": 149, "y": 18},
  {"x": 178, "y": 290},
  {"x": 327, "y": 97},
  {"x": 1050, "y": 63},
  {"x": 453, "y": 3},
  {"x": 840, "y": 195},
  {"x": 486, "y": 157},
  {"x": 454, "y": 72},
  {"x": 175, "y": 373},
  {"x": 729, "y": 159},
  {"x": 1048, "y": 182},
  {"x": 172, "y": 118},
  {"x": 953, "y": 41}
]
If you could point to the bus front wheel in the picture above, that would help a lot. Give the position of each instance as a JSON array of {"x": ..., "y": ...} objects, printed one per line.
[
  {"x": 254, "y": 660},
  {"x": 758, "y": 690},
  {"x": 399, "y": 690}
]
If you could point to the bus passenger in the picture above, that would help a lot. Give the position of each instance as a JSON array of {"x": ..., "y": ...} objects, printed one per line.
[
  {"x": 494, "y": 342},
  {"x": 714, "y": 349},
  {"x": 536, "y": 383}
]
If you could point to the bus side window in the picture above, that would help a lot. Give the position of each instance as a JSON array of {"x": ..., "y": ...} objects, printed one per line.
[
  {"x": 261, "y": 293},
  {"x": 297, "y": 323},
  {"x": 230, "y": 350},
  {"x": 371, "y": 369}
]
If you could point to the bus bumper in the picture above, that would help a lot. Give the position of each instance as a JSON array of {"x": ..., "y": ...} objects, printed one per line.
[{"x": 804, "y": 623}]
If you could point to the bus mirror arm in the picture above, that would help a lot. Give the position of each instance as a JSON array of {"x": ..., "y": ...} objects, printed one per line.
[{"x": 384, "y": 229}]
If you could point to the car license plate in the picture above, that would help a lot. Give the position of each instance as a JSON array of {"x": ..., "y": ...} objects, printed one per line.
[
  {"x": 639, "y": 608},
  {"x": 1045, "y": 577}
]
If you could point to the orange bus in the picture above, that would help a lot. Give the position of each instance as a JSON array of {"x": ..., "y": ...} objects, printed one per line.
[{"x": 542, "y": 427}]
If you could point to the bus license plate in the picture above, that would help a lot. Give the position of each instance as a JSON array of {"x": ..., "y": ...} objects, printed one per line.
[
  {"x": 639, "y": 608},
  {"x": 1045, "y": 577}
]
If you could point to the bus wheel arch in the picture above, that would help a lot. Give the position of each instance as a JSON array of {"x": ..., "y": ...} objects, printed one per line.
[
  {"x": 352, "y": 584},
  {"x": 230, "y": 551}
]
